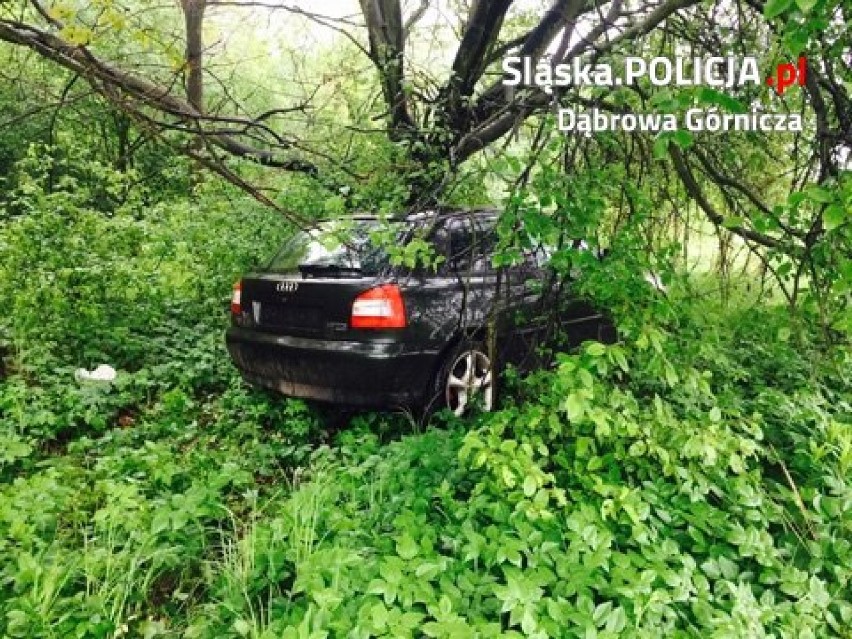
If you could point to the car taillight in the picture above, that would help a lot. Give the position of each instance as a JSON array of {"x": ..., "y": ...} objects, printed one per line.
[
  {"x": 380, "y": 307},
  {"x": 236, "y": 298}
]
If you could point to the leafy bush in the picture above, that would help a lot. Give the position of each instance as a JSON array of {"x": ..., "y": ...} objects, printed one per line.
[
  {"x": 141, "y": 286},
  {"x": 693, "y": 480},
  {"x": 641, "y": 494}
]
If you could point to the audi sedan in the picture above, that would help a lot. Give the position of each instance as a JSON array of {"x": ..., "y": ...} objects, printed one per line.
[{"x": 333, "y": 318}]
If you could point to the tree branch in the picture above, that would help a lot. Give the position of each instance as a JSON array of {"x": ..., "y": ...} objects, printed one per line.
[
  {"x": 479, "y": 36},
  {"x": 121, "y": 87},
  {"x": 495, "y": 114},
  {"x": 696, "y": 193},
  {"x": 414, "y": 18},
  {"x": 387, "y": 51}
]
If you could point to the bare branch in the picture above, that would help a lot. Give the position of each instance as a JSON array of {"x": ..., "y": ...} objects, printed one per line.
[
  {"x": 479, "y": 36},
  {"x": 495, "y": 115},
  {"x": 126, "y": 89},
  {"x": 696, "y": 193},
  {"x": 414, "y": 18},
  {"x": 317, "y": 17}
]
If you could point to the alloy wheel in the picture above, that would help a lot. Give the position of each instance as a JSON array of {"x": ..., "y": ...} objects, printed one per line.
[{"x": 469, "y": 376}]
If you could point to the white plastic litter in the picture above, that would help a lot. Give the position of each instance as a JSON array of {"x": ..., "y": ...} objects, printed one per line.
[{"x": 103, "y": 373}]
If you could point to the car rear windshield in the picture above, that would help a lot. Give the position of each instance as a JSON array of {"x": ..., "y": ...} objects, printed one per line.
[{"x": 332, "y": 248}]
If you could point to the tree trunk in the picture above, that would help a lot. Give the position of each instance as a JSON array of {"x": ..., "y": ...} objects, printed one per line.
[{"x": 193, "y": 15}]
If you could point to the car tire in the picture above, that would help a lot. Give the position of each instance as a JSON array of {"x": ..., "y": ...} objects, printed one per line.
[{"x": 467, "y": 377}]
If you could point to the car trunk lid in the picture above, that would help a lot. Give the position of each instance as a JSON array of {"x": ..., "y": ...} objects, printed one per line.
[{"x": 291, "y": 304}]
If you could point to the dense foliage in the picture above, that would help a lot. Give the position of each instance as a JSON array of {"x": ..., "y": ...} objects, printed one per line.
[{"x": 692, "y": 480}]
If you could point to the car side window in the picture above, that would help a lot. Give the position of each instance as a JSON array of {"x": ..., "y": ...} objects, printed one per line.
[
  {"x": 471, "y": 247},
  {"x": 536, "y": 258},
  {"x": 441, "y": 242}
]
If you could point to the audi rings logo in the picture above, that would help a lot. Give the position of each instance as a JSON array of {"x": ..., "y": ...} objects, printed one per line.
[{"x": 287, "y": 287}]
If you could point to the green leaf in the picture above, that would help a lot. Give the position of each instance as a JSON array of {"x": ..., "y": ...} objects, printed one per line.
[
  {"x": 574, "y": 405},
  {"x": 805, "y": 6},
  {"x": 601, "y": 613},
  {"x": 833, "y": 217},
  {"x": 595, "y": 463},
  {"x": 796, "y": 41},
  {"x": 775, "y": 8},
  {"x": 445, "y": 605},
  {"x": 530, "y": 486},
  {"x": 616, "y": 620},
  {"x": 706, "y": 95},
  {"x": 637, "y": 449},
  {"x": 150, "y": 629},
  {"x": 819, "y": 194},
  {"x": 242, "y": 627},
  {"x": 380, "y": 615},
  {"x": 586, "y": 378},
  {"x": 661, "y": 147},
  {"x": 729, "y": 568},
  {"x": 595, "y": 349},
  {"x": 683, "y": 139},
  {"x": 12, "y": 448},
  {"x": 406, "y": 547},
  {"x": 671, "y": 374}
]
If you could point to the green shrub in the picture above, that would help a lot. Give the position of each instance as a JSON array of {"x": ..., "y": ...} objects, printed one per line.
[
  {"x": 143, "y": 287},
  {"x": 643, "y": 493}
]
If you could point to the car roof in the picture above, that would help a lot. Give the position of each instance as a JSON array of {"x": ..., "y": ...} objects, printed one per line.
[
  {"x": 443, "y": 214},
  {"x": 429, "y": 214}
]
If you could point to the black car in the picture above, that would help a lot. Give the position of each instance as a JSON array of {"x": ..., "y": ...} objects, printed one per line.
[{"x": 332, "y": 319}]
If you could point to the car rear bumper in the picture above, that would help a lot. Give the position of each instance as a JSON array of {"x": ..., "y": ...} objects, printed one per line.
[{"x": 376, "y": 373}]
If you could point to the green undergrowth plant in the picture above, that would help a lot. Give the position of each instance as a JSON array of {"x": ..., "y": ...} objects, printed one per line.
[
  {"x": 135, "y": 280},
  {"x": 692, "y": 480},
  {"x": 667, "y": 486},
  {"x": 118, "y": 533}
]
